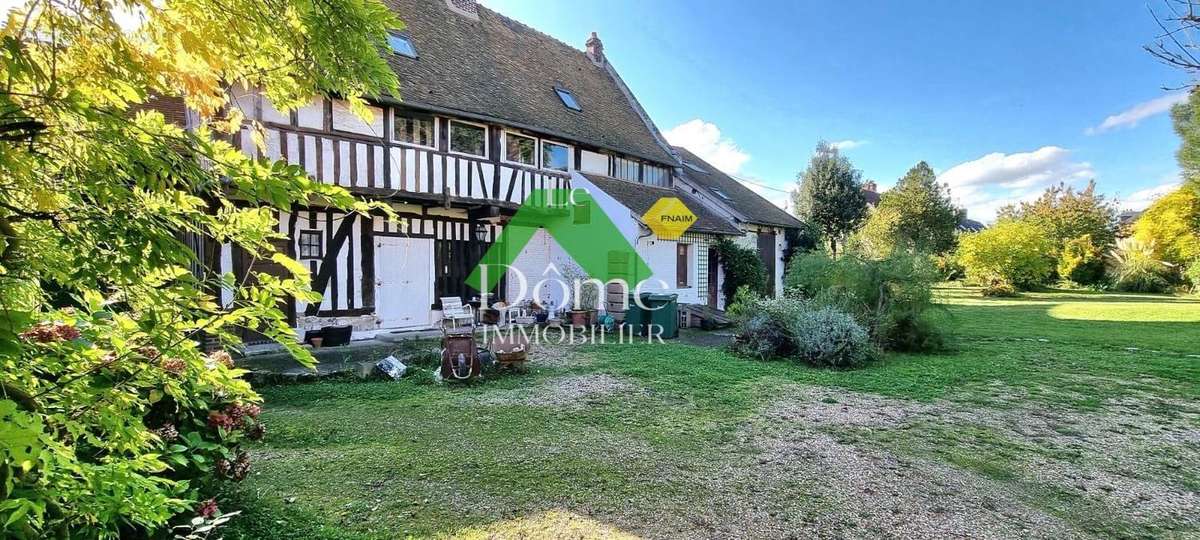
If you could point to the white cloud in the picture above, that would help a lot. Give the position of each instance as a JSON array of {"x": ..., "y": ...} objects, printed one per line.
[
  {"x": 1131, "y": 116},
  {"x": 986, "y": 184},
  {"x": 704, "y": 139},
  {"x": 847, "y": 144},
  {"x": 1142, "y": 198}
]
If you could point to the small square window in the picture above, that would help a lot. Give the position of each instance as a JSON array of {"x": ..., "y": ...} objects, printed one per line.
[
  {"x": 520, "y": 149},
  {"x": 401, "y": 44},
  {"x": 555, "y": 156},
  {"x": 468, "y": 139},
  {"x": 312, "y": 245},
  {"x": 413, "y": 129},
  {"x": 568, "y": 99}
]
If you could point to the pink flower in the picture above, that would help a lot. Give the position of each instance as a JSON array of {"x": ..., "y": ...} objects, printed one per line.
[
  {"x": 208, "y": 509},
  {"x": 218, "y": 419},
  {"x": 174, "y": 366},
  {"x": 222, "y": 358},
  {"x": 46, "y": 332}
]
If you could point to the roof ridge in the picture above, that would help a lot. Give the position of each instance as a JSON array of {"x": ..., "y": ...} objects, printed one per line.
[{"x": 530, "y": 29}]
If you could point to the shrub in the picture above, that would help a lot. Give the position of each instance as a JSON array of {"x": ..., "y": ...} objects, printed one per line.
[
  {"x": 828, "y": 337},
  {"x": 1081, "y": 261},
  {"x": 999, "y": 289},
  {"x": 743, "y": 303},
  {"x": 949, "y": 267},
  {"x": 766, "y": 333},
  {"x": 789, "y": 328},
  {"x": 742, "y": 268},
  {"x": 1133, "y": 267},
  {"x": 1018, "y": 253},
  {"x": 891, "y": 297},
  {"x": 1172, "y": 225},
  {"x": 1192, "y": 275}
]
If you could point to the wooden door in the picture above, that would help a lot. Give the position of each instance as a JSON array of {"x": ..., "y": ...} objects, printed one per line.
[
  {"x": 403, "y": 281},
  {"x": 766, "y": 250}
]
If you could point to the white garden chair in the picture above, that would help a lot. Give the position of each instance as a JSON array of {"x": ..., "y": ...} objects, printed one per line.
[{"x": 455, "y": 313}]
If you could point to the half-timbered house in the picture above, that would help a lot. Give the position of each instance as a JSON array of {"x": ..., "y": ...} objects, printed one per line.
[{"x": 489, "y": 110}]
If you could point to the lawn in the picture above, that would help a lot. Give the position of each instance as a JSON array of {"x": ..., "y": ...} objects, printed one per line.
[{"x": 1058, "y": 414}]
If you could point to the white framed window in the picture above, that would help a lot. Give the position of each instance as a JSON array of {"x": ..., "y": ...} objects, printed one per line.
[
  {"x": 555, "y": 156},
  {"x": 625, "y": 169},
  {"x": 414, "y": 128},
  {"x": 468, "y": 139},
  {"x": 654, "y": 176},
  {"x": 520, "y": 149},
  {"x": 312, "y": 245}
]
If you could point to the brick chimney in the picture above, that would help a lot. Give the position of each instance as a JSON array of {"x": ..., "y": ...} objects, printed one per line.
[
  {"x": 466, "y": 8},
  {"x": 595, "y": 50}
]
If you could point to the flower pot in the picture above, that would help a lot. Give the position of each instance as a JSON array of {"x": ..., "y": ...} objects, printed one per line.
[
  {"x": 579, "y": 317},
  {"x": 316, "y": 342},
  {"x": 591, "y": 316}
]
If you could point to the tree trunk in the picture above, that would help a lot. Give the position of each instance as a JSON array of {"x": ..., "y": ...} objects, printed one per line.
[{"x": 833, "y": 246}]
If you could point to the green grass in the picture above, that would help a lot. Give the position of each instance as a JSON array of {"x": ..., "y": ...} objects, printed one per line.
[{"x": 385, "y": 460}]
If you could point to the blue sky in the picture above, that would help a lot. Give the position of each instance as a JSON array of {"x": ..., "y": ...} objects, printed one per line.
[{"x": 1001, "y": 98}]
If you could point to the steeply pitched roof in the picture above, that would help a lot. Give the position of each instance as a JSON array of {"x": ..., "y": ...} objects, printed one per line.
[
  {"x": 743, "y": 201},
  {"x": 640, "y": 197},
  {"x": 970, "y": 225},
  {"x": 497, "y": 68}
]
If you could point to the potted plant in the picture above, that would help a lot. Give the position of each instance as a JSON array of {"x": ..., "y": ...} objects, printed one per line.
[{"x": 583, "y": 309}]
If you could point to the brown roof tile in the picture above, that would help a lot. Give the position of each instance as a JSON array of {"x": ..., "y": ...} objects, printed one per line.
[{"x": 498, "y": 68}]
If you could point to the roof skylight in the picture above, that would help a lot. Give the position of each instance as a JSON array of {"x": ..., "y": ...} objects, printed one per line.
[
  {"x": 721, "y": 194},
  {"x": 568, "y": 98},
  {"x": 401, "y": 44}
]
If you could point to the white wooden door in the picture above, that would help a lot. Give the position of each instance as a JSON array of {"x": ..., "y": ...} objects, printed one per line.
[{"x": 403, "y": 281}]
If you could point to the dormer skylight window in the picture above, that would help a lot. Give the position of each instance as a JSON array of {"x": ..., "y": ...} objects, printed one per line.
[
  {"x": 721, "y": 194},
  {"x": 401, "y": 44},
  {"x": 568, "y": 98}
]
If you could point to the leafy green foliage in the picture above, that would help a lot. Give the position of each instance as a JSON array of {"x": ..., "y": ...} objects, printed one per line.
[
  {"x": 1133, "y": 266},
  {"x": 1081, "y": 261},
  {"x": 1064, "y": 214},
  {"x": 1192, "y": 275},
  {"x": 766, "y": 331},
  {"x": 1015, "y": 253},
  {"x": 828, "y": 337},
  {"x": 743, "y": 303},
  {"x": 743, "y": 269},
  {"x": 794, "y": 329},
  {"x": 1172, "y": 225},
  {"x": 892, "y": 298},
  {"x": 829, "y": 195},
  {"x": 1186, "y": 119},
  {"x": 116, "y": 424},
  {"x": 916, "y": 215}
]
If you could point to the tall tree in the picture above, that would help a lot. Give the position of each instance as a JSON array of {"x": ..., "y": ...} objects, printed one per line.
[
  {"x": 112, "y": 421},
  {"x": 915, "y": 215},
  {"x": 829, "y": 195},
  {"x": 1065, "y": 214}
]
